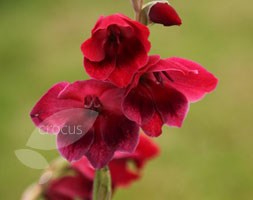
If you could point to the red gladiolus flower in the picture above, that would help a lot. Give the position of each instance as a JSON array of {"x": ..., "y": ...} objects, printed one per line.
[
  {"x": 117, "y": 48},
  {"x": 121, "y": 174},
  {"x": 88, "y": 120},
  {"x": 163, "y": 13},
  {"x": 80, "y": 184},
  {"x": 161, "y": 91}
]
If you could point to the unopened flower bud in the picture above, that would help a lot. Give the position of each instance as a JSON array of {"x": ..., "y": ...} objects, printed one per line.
[{"x": 160, "y": 12}]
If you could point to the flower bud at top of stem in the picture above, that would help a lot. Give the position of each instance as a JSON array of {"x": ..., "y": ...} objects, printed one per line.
[{"x": 160, "y": 12}]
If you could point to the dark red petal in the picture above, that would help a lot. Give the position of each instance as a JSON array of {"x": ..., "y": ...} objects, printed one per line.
[
  {"x": 51, "y": 112},
  {"x": 133, "y": 50},
  {"x": 79, "y": 89},
  {"x": 105, "y": 21},
  {"x": 122, "y": 75},
  {"x": 84, "y": 167},
  {"x": 141, "y": 32},
  {"x": 112, "y": 99},
  {"x": 93, "y": 48},
  {"x": 113, "y": 132},
  {"x": 170, "y": 103},
  {"x": 190, "y": 78},
  {"x": 127, "y": 32},
  {"x": 121, "y": 174},
  {"x": 152, "y": 60},
  {"x": 100, "y": 154},
  {"x": 163, "y": 13},
  {"x": 138, "y": 105},
  {"x": 119, "y": 62},
  {"x": 132, "y": 58},
  {"x": 76, "y": 137},
  {"x": 56, "y": 196},
  {"x": 69, "y": 188},
  {"x": 99, "y": 70},
  {"x": 109, "y": 95},
  {"x": 153, "y": 127},
  {"x": 120, "y": 132},
  {"x": 146, "y": 150}
]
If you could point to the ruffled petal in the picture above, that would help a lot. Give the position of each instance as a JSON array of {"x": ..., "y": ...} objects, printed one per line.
[
  {"x": 146, "y": 150},
  {"x": 51, "y": 112},
  {"x": 152, "y": 60},
  {"x": 138, "y": 105},
  {"x": 83, "y": 166},
  {"x": 121, "y": 174},
  {"x": 105, "y": 21},
  {"x": 141, "y": 32},
  {"x": 99, "y": 70},
  {"x": 100, "y": 154},
  {"x": 191, "y": 79},
  {"x": 170, "y": 103},
  {"x": 117, "y": 49},
  {"x": 69, "y": 187},
  {"x": 153, "y": 127},
  {"x": 132, "y": 58},
  {"x": 188, "y": 77},
  {"x": 76, "y": 137},
  {"x": 93, "y": 48},
  {"x": 79, "y": 89},
  {"x": 109, "y": 95},
  {"x": 123, "y": 74},
  {"x": 113, "y": 132},
  {"x": 120, "y": 132}
]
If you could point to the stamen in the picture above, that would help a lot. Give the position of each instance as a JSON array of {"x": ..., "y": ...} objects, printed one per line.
[
  {"x": 167, "y": 76},
  {"x": 92, "y": 102},
  {"x": 96, "y": 103},
  {"x": 158, "y": 77},
  {"x": 88, "y": 101}
]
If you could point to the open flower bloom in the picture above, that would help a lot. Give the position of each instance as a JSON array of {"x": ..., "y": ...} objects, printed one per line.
[
  {"x": 160, "y": 93},
  {"x": 88, "y": 119},
  {"x": 80, "y": 184},
  {"x": 117, "y": 48},
  {"x": 160, "y": 12},
  {"x": 122, "y": 174}
]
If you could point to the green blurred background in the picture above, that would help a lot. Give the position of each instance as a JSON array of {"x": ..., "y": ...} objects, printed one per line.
[{"x": 210, "y": 158}]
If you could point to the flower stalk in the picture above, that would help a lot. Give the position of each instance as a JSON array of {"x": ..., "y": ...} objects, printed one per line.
[
  {"x": 137, "y": 6},
  {"x": 102, "y": 187},
  {"x": 32, "y": 193}
]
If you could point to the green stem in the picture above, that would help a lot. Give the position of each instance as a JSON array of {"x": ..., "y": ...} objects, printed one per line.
[
  {"x": 34, "y": 192},
  {"x": 102, "y": 188}
]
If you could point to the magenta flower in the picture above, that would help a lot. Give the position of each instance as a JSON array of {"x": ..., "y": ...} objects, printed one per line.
[
  {"x": 97, "y": 121},
  {"x": 89, "y": 120},
  {"x": 80, "y": 184},
  {"x": 121, "y": 174},
  {"x": 162, "y": 12},
  {"x": 160, "y": 93},
  {"x": 116, "y": 50}
]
